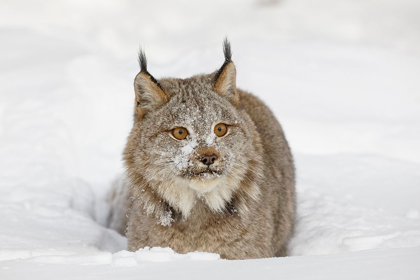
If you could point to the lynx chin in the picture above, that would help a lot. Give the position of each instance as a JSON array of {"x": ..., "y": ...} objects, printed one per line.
[{"x": 208, "y": 169}]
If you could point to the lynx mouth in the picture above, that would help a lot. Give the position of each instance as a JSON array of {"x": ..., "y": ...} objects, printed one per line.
[
  {"x": 206, "y": 174},
  {"x": 207, "y": 171}
]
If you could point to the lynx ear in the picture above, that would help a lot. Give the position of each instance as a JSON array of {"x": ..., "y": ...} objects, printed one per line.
[
  {"x": 225, "y": 79},
  {"x": 149, "y": 95}
]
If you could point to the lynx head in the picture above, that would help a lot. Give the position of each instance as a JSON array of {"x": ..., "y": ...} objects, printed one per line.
[{"x": 191, "y": 141}]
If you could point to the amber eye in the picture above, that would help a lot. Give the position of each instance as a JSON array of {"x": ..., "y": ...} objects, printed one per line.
[
  {"x": 179, "y": 133},
  {"x": 220, "y": 129}
]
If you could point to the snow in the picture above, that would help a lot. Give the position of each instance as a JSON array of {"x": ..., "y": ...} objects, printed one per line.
[
  {"x": 413, "y": 214},
  {"x": 341, "y": 76},
  {"x": 181, "y": 161},
  {"x": 388, "y": 263},
  {"x": 167, "y": 254},
  {"x": 157, "y": 254},
  {"x": 166, "y": 219},
  {"x": 189, "y": 147}
]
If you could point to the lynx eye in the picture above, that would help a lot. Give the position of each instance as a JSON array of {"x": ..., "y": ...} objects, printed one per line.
[
  {"x": 220, "y": 129},
  {"x": 180, "y": 133}
]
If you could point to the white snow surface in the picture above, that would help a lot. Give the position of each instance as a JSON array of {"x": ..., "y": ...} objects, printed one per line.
[{"x": 341, "y": 76}]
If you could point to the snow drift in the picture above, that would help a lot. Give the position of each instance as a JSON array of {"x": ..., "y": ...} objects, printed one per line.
[{"x": 341, "y": 76}]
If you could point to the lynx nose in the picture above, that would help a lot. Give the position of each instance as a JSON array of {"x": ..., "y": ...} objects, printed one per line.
[{"x": 208, "y": 159}]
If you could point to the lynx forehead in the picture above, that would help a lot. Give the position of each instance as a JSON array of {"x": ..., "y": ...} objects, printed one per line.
[{"x": 208, "y": 168}]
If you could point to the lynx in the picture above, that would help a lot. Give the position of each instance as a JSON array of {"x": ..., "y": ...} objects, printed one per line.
[{"x": 208, "y": 169}]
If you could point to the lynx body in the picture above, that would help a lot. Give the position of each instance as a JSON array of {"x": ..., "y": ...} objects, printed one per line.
[{"x": 208, "y": 169}]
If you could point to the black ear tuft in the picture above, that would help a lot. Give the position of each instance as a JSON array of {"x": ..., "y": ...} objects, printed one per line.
[
  {"x": 228, "y": 57},
  {"x": 225, "y": 77},
  {"x": 143, "y": 65},
  {"x": 142, "y": 60},
  {"x": 227, "y": 50}
]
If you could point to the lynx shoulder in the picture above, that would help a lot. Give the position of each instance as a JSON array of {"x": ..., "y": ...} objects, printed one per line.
[{"x": 208, "y": 168}]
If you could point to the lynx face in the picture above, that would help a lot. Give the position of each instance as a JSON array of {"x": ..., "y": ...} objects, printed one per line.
[
  {"x": 202, "y": 157},
  {"x": 190, "y": 141}
]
